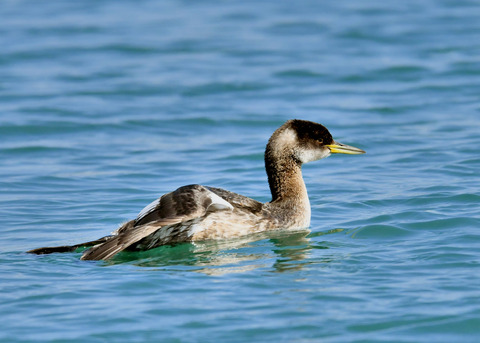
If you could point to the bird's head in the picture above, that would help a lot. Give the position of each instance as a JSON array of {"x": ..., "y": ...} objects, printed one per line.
[{"x": 307, "y": 141}]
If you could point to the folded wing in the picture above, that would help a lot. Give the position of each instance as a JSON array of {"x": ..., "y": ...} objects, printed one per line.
[{"x": 184, "y": 204}]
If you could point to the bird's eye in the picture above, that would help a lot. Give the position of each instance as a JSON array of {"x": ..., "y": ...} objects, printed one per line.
[{"x": 320, "y": 141}]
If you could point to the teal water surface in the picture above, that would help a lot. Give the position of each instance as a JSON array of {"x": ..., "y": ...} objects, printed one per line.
[{"x": 105, "y": 105}]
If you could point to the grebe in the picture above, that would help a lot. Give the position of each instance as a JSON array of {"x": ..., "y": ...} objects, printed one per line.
[{"x": 198, "y": 213}]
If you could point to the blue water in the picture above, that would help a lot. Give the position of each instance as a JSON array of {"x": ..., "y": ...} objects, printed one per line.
[{"x": 105, "y": 105}]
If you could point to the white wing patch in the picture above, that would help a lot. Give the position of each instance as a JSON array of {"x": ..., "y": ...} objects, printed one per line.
[
  {"x": 149, "y": 208},
  {"x": 218, "y": 203}
]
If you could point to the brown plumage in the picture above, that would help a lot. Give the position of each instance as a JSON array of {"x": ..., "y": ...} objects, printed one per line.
[{"x": 196, "y": 213}]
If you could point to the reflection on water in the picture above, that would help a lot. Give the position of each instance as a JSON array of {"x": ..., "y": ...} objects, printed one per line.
[{"x": 289, "y": 251}]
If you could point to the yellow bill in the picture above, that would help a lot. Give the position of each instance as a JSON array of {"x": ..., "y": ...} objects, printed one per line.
[{"x": 339, "y": 148}]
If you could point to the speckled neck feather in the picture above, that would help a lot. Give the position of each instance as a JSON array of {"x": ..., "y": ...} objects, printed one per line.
[
  {"x": 283, "y": 169},
  {"x": 284, "y": 175}
]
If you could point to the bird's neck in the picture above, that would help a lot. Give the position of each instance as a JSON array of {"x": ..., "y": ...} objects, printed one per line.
[
  {"x": 289, "y": 194},
  {"x": 285, "y": 179}
]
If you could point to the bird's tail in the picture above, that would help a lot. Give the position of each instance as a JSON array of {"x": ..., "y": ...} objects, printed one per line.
[{"x": 68, "y": 248}]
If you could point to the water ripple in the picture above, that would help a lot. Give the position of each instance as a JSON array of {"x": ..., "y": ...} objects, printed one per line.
[{"x": 106, "y": 105}]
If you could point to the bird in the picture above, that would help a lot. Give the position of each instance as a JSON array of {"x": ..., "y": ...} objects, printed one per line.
[{"x": 201, "y": 213}]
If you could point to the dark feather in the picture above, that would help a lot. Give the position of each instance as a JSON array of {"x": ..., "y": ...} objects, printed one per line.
[
  {"x": 184, "y": 204},
  {"x": 68, "y": 248},
  {"x": 125, "y": 238}
]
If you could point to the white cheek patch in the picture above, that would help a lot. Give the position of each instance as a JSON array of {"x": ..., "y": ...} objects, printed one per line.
[{"x": 309, "y": 155}]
